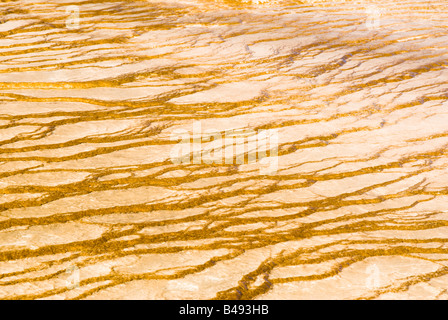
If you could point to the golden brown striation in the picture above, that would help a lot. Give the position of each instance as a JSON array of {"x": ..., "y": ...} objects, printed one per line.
[{"x": 92, "y": 206}]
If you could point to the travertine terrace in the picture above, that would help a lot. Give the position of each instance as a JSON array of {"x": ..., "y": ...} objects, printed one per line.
[{"x": 93, "y": 207}]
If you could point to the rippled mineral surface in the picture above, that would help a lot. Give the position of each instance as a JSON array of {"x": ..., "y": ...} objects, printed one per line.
[{"x": 108, "y": 108}]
